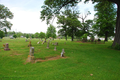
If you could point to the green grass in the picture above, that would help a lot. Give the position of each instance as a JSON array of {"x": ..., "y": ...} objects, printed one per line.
[{"x": 83, "y": 59}]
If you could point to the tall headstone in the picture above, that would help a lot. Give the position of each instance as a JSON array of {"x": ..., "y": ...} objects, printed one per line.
[
  {"x": 6, "y": 47},
  {"x": 29, "y": 45},
  {"x": 31, "y": 57},
  {"x": 31, "y": 51},
  {"x": 62, "y": 53},
  {"x": 48, "y": 45},
  {"x": 55, "y": 48}
]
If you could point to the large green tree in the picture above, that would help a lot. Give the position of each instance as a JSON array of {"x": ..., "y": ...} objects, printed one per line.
[
  {"x": 70, "y": 23},
  {"x": 42, "y": 35},
  {"x": 105, "y": 19},
  {"x": 51, "y": 32},
  {"x": 2, "y": 34},
  {"x": 36, "y": 35},
  {"x": 61, "y": 20},
  {"x": 53, "y": 7},
  {"x": 5, "y": 14}
]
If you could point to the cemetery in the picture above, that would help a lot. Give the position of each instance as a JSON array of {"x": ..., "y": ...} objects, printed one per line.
[
  {"x": 64, "y": 61},
  {"x": 66, "y": 40}
]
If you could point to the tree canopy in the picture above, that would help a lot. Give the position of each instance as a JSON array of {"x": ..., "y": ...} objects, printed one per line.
[
  {"x": 52, "y": 7},
  {"x": 5, "y": 14},
  {"x": 105, "y": 19},
  {"x": 51, "y": 31}
]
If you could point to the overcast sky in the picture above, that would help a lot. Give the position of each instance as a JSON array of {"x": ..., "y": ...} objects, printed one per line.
[{"x": 27, "y": 15}]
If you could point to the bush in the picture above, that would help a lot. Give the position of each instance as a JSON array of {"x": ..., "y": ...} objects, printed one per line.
[
  {"x": 15, "y": 36},
  {"x": 1, "y": 34}
]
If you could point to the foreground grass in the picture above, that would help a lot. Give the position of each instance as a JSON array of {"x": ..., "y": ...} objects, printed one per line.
[{"x": 83, "y": 60}]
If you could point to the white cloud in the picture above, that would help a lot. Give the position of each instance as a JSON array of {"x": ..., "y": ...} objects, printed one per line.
[
  {"x": 27, "y": 15},
  {"x": 27, "y": 21}
]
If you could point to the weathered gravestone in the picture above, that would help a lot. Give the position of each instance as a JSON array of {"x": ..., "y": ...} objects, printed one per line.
[
  {"x": 62, "y": 53},
  {"x": 55, "y": 48},
  {"x": 29, "y": 45},
  {"x": 3, "y": 45},
  {"x": 26, "y": 40},
  {"x": 56, "y": 43},
  {"x": 6, "y": 47},
  {"x": 38, "y": 42},
  {"x": 48, "y": 45},
  {"x": 43, "y": 42},
  {"x": 31, "y": 57}
]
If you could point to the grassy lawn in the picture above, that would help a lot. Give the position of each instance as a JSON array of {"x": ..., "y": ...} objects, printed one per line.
[{"x": 84, "y": 61}]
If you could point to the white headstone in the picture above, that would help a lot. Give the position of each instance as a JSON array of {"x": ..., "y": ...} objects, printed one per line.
[{"x": 62, "y": 53}]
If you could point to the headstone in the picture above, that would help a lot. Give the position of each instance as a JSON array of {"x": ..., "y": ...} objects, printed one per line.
[
  {"x": 31, "y": 57},
  {"x": 3, "y": 45},
  {"x": 56, "y": 43},
  {"x": 55, "y": 48},
  {"x": 43, "y": 42},
  {"x": 62, "y": 53},
  {"x": 38, "y": 42},
  {"x": 48, "y": 45},
  {"x": 31, "y": 51},
  {"x": 29, "y": 45},
  {"x": 26, "y": 40},
  {"x": 6, "y": 47}
]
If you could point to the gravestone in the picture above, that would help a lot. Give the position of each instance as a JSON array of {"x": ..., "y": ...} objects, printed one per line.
[
  {"x": 31, "y": 57},
  {"x": 6, "y": 47},
  {"x": 55, "y": 48},
  {"x": 48, "y": 45},
  {"x": 31, "y": 51},
  {"x": 56, "y": 43},
  {"x": 62, "y": 53},
  {"x": 38, "y": 42},
  {"x": 3, "y": 45},
  {"x": 26, "y": 40},
  {"x": 43, "y": 42},
  {"x": 29, "y": 45}
]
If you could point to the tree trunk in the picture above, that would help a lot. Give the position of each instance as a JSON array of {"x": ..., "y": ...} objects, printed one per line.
[
  {"x": 66, "y": 38},
  {"x": 117, "y": 33},
  {"x": 106, "y": 36}
]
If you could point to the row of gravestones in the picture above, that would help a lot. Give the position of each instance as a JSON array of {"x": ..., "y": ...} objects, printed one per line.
[
  {"x": 31, "y": 57},
  {"x": 31, "y": 54}
]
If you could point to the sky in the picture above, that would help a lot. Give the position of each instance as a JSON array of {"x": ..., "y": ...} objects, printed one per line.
[{"x": 27, "y": 15}]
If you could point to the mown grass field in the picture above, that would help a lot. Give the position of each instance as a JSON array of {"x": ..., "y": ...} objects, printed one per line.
[{"x": 85, "y": 61}]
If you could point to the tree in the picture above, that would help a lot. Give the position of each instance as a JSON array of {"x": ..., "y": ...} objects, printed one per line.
[
  {"x": 32, "y": 36},
  {"x": 61, "y": 20},
  {"x": 53, "y": 7},
  {"x": 51, "y": 32},
  {"x": 36, "y": 35},
  {"x": 19, "y": 34},
  {"x": 27, "y": 36},
  {"x": 74, "y": 25},
  {"x": 105, "y": 19},
  {"x": 42, "y": 35},
  {"x": 69, "y": 22},
  {"x": 85, "y": 24},
  {"x": 5, "y": 14},
  {"x": 2, "y": 34},
  {"x": 15, "y": 35}
]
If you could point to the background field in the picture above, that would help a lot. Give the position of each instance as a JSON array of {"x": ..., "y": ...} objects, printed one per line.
[{"x": 85, "y": 61}]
